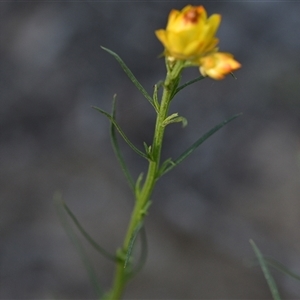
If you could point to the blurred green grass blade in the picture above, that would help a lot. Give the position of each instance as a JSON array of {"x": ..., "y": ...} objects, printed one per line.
[
  {"x": 117, "y": 148},
  {"x": 131, "y": 242},
  {"x": 76, "y": 242},
  {"x": 267, "y": 274},
  {"x": 280, "y": 267},
  {"x": 130, "y": 75},
  {"x": 188, "y": 83},
  {"x": 112, "y": 120},
  {"x": 191, "y": 149},
  {"x": 92, "y": 242}
]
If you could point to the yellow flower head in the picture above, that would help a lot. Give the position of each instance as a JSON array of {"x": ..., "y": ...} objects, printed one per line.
[
  {"x": 189, "y": 33},
  {"x": 217, "y": 65}
]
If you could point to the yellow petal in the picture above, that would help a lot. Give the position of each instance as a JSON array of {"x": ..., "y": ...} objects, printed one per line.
[
  {"x": 161, "y": 35},
  {"x": 172, "y": 19}
]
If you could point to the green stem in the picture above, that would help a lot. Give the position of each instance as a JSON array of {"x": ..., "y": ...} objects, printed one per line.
[{"x": 143, "y": 196}]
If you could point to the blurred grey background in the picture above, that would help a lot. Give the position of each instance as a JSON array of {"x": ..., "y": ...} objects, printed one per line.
[{"x": 242, "y": 183}]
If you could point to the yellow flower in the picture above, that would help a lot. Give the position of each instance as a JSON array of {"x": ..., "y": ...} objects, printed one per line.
[
  {"x": 189, "y": 33},
  {"x": 217, "y": 65},
  {"x": 190, "y": 36}
]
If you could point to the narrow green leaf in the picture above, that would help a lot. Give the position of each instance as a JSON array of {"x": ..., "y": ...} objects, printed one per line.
[
  {"x": 117, "y": 148},
  {"x": 188, "y": 83},
  {"x": 233, "y": 75},
  {"x": 267, "y": 274},
  {"x": 92, "y": 242},
  {"x": 174, "y": 118},
  {"x": 175, "y": 86},
  {"x": 155, "y": 96},
  {"x": 183, "y": 120},
  {"x": 191, "y": 149},
  {"x": 148, "y": 150},
  {"x": 131, "y": 242},
  {"x": 164, "y": 166},
  {"x": 144, "y": 253},
  {"x": 280, "y": 267},
  {"x": 137, "y": 189},
  {"x": 112, "y": 120},
  {"x": 144, "y": 210},
  {"x": 76, "y": 242},
  {"x": 169, "y": 119},
  {"x": 130, "y": 75}
]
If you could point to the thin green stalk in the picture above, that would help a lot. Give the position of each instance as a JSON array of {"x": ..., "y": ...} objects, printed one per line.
[
  {"x": 269, "y": 278},
  {"x": 143, "y": 196}
]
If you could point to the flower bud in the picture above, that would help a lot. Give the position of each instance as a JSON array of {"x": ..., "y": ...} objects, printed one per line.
[{"x": 217, "y": 65}]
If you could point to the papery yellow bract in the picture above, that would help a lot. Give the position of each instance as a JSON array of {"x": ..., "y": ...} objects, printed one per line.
[
  {"x": 217, "y": 65},
  {"x": 189, "y": 33}
]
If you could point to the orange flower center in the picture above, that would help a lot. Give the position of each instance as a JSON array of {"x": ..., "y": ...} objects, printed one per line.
[{"x": 191, "y": 16}]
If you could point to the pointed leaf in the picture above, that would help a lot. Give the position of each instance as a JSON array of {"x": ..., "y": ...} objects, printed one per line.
[
  {"x": 76, "y": 242},
  {"x": 233, "y": 75},
  {"x": 280, "y": 267},
  {"x": 137, "y": 189},
  {"x": 144, "y": 253},
  {"x": 174, "y": 118},
  {"x": 144, "y": 210},
  {"x": 121, "y": 132},
  {"x": 267, "y": 274},
  {"x": 169, "y": 119},
  {"x": 155, "y": 97},
  {"x": 191, "y": 149},
  {"x": 175, "y": 86},
  {"x": 148, "y": 150},
  {"x": 130, "y": 75},
  {"x": 92, "y": 242},
  {"x": 117, "y": 148},
  {"x": 131, "y": 242},
  {"x": 168, "y": 163},
  {"x": 188, "y": 83}
]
